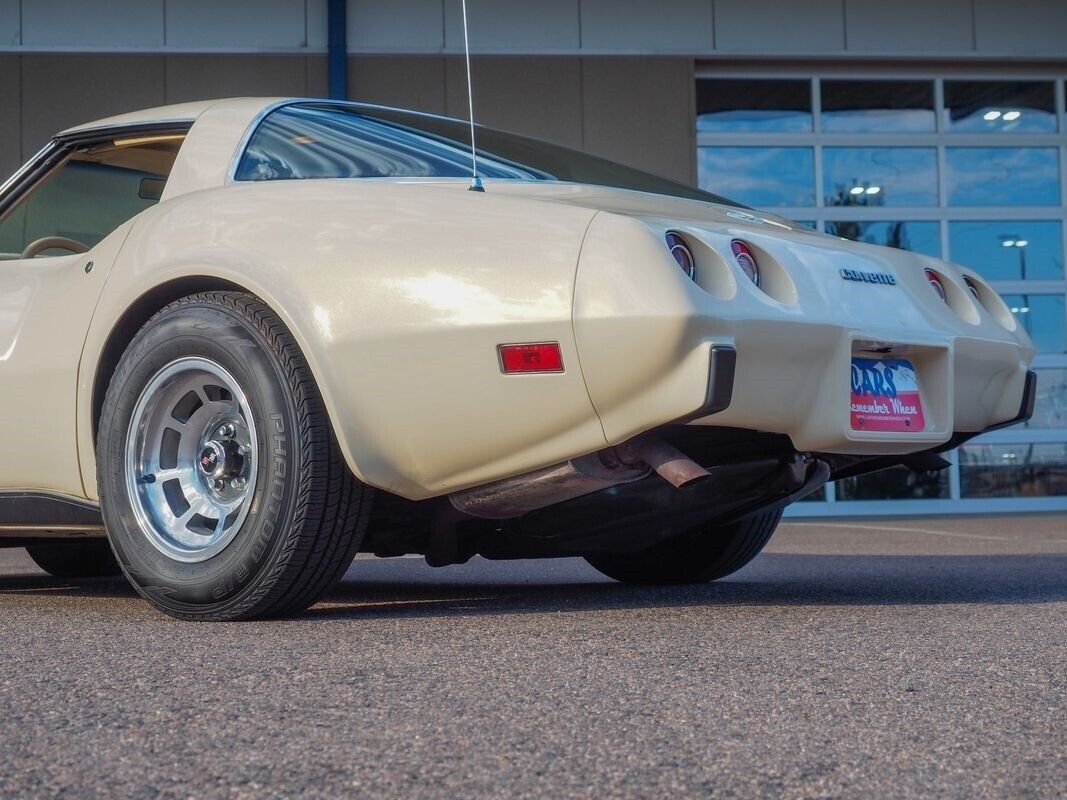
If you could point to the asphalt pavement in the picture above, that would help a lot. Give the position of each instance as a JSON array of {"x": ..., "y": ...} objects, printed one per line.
[{"x": 883, "y": 658}]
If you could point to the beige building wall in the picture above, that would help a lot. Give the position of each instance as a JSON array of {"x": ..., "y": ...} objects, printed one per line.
[{"x": 635, "y": 110}]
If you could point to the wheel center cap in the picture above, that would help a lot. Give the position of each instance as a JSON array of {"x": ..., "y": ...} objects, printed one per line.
[{"x": 212, "y": 460}]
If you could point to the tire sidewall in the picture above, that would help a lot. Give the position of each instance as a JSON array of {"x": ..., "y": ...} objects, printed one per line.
[{"x": 235, "y": 576}]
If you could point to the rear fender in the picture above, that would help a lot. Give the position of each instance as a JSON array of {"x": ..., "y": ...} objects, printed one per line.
[{"x": 398, "y": 295}]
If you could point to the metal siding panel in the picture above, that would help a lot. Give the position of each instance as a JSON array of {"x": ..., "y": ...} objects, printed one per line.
[
  {"x": 10, "y": 23},
  {"x": 415, "y": 82},
  {"x": 135, "y": 24},
  {"x": 316, "y": 23},
  {"x": 317, "y": 83},
  {"x": 1023, "y": 27},
  {"x": 414, "y": 25},
  {"x": 209, "y": 24},
  {"x": 535, "y": 97},
  {"x": 682, "y": 26},
  {"x": 502, "y": 26},
  {"x": 63, "y": 90},
  {"x": 10, "y": 117},
  {"x": 909, "y": 26},
  {"x": 815, "y": 26},
  {"x": 203, "y": 77},
  {"x": 639, "y": 111}
]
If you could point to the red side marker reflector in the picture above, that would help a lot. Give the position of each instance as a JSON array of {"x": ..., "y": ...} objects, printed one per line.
[{"x": 525, "y": 358}]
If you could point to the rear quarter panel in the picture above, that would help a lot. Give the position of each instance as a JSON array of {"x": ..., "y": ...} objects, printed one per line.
[{"x": 398, "y": 294}]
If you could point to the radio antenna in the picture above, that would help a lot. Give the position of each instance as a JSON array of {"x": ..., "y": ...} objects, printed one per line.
[{"x": 476, "y": 182}]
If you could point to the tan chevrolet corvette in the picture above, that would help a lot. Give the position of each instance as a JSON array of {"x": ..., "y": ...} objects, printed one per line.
[{"x": 242, "y": 340}]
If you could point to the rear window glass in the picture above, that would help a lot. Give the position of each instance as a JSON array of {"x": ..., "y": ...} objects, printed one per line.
[{"x": 328, "y": 141}]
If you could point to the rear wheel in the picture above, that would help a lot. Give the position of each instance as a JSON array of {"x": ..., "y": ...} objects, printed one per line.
[
  {"x": 699, "y": 555},
  {"x": 223, "y": 490},
  {"x": 89, "y": 559}
]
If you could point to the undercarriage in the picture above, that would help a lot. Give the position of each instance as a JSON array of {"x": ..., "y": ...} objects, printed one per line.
[{"x": 746, "y": 472}]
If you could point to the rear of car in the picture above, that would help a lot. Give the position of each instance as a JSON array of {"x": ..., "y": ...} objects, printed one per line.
[{"x": 843, "y": 347}]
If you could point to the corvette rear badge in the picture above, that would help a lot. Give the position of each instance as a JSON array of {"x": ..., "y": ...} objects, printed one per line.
[
  {"x": 859, "y": 276},
  {"x": 741, "y": 215}
]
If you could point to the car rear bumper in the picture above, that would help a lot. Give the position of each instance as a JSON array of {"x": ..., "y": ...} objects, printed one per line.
[{"x": 657, "y": 347}]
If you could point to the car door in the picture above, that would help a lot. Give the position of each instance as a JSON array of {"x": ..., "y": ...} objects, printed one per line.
[{"x": 61, "y": 228}]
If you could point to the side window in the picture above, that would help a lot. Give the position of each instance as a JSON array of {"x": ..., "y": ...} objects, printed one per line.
[
  {"x": 98, "y": 187},
  {"x": 320, "y": 142}
]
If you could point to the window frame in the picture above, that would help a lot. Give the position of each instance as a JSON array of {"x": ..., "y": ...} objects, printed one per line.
[
  {"x": 55, "y": 153},
  {"x": 31, "y": 174}
]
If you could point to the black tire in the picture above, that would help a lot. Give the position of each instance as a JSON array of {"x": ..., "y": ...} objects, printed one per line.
[
  {"x": 88, "y": 559},
  {"x": 307, "y": 512},
  {"x": 701, "y": 555}
]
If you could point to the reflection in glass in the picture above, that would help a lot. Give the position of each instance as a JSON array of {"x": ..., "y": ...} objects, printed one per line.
[
  {"x": 1050, "y": 407},
  {"x": 1000, "y": 106},
  {"x": 1004, "y": 251},
  {"x": 1041, "y": 316},
  {"x": 767, "y": 106},
  {"x": 895, "y": 483},
  {"x": 878, "y": 106},
  {"x": 316, "y": 141},
  {"x": 1002, "y": 176},
  {"x": 1014, "y": 470},
  {"x": 918, "y": 237},
  {"x": 880, "y": 176},
  {"x": 759, "y": 176}
]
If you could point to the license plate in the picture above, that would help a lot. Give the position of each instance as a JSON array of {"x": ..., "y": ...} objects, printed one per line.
[{"x": 885, "y": 395}]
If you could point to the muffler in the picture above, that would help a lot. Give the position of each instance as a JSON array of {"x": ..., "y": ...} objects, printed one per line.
[{"x": 626, "y": 463}]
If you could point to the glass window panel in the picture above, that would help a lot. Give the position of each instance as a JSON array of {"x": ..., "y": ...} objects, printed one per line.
[
  {"x": 1013, "y": 470},
  {"x": 96, "y": 190},
  {"x": 767, "y": 106},
  {"x": 322, "y": 140},
  {"x": 759, "y": 176},
  {"x": 878, "y": 106},
  {"x": 919, "y": 237},
  {"x": 1041, "y": 315},
  {"x": 1050, "y": 406},
  {"x": 895, "y": 483},
  {"x": 1004, "y": 251},
  {"x": 1000, "y": 106},
  {"x": 880, "y": 176},
  {"x": 1002, "y": 176}
]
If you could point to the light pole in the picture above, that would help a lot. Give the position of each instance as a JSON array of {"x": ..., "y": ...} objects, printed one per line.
[{"x": 1020, "y": 244}]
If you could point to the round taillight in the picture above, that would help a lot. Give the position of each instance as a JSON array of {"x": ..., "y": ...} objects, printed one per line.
[
  {"x": 682, "y": 254},
  {"x": 972, "y": 287},
  {"x": 746, "y": 259},
  {"x": 935, "y": 282}
]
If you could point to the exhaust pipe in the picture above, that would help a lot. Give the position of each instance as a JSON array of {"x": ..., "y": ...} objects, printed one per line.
[
  {"x": 668, "y": 461},
  {"x": 629, "y": 462}
]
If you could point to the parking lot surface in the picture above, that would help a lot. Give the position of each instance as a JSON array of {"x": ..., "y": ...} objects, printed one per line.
[{"x": 876, "y": 658}]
